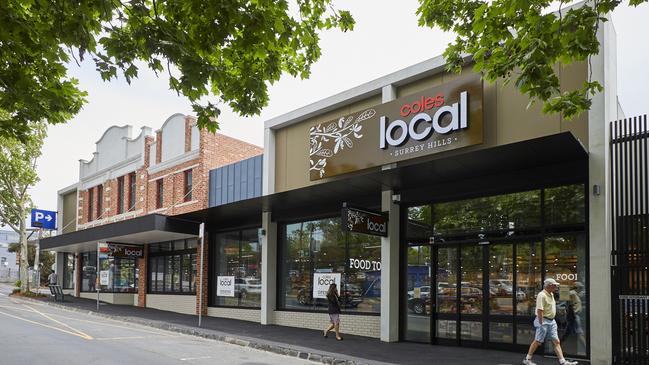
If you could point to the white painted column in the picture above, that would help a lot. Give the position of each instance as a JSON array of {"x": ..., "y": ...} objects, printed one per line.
[
  {"x": 603, "y": 111},
  {"x": 268, "y": 268},
  {"x": 58, "y": 261},
  {"x": 268, "y": 168},
  {"x": 390, "y": 271}
]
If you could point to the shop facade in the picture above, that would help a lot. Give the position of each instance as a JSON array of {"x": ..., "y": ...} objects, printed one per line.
[{"x": 476, "y": 199}]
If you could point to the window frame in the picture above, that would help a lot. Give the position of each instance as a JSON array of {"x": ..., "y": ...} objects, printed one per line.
[
  {"x": 100, "y": 198},
  {"x": 281, "y": 250},
  {"x": 159, "y": 193},
  {"x": 120, "y": 195},
  {"x": 91, "y": 203},
  {"x": 166, "y": 258},
  {"x": 132, "y": 188},
  {"x": 188, "y": 185},
  {"x": 213, "y": 270}
]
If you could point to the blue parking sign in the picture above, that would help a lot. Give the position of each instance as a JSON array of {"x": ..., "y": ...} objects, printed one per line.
[{"x": 43, "y": 219}]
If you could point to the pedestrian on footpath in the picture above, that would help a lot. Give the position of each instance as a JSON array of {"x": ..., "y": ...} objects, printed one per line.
[
  {"x": 546, "y": 326},
  {"x": 333, "y": 303},
  {"x": 52, "y": 278}
]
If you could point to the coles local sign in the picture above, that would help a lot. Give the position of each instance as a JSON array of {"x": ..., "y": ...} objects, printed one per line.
[{"x": 435, "y": 120}]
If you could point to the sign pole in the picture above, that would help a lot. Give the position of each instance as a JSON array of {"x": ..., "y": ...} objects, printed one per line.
[
  {"x": 201, "y": 233},
  {"x": 97, "y": 277}
]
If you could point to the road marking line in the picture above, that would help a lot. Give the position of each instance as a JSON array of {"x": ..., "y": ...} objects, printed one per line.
[
  {"x": 4, "y": 295},
  {"x": 195, "y": 358},
  {"x": 136, "y": 328},
  {"x": 45, "y": 325},
  {"x": 81, "y": 333},
  {"x": 120, "y": 338}
]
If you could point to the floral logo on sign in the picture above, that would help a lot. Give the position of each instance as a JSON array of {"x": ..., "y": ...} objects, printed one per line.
[
  {"x": 327, "y": 141},
  {"x": 353, "y": 218}
]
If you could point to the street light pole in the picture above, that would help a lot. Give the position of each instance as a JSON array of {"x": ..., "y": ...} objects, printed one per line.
[{"x": 201, "y": 237}]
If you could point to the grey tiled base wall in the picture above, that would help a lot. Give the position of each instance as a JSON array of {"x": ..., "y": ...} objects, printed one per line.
[
  {"x": 252, "y": 315},
  {"x": 369, "y": 326}
]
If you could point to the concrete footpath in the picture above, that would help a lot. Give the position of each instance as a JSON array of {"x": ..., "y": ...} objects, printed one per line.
[{"x": 297, "y": 342}]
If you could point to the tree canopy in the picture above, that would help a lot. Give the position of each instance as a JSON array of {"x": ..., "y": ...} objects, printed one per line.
[
  {"x": 225, "y": 51},
  {"x": 522, "y": 41}
]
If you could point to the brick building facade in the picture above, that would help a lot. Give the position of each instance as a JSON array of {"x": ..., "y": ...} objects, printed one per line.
[{"x": 201, "y": 152}]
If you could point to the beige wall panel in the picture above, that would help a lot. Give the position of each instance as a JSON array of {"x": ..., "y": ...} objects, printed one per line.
[
  {"x": 420, "y": 85},
  {"x": 572, "y": 77},
  {"x": 292, "y": 169},
  {"x": 69, "y": 223},
  {"x": 280, "y": 159},
  {"x": 506, "y": 120},
  {"x": 518, "y": 123}
]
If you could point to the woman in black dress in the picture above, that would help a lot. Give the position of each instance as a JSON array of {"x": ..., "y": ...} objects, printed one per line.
[{"x": 333, "y": 303}]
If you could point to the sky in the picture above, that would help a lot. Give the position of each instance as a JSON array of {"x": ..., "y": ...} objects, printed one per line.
[{"x": 386, "y": 38}]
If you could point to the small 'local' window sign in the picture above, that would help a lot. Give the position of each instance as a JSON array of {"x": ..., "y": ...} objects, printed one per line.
[
  {"x": 321, "y": 282},
  {"x": 364, "y": 221},
  {"x": 225, "y": 286}
]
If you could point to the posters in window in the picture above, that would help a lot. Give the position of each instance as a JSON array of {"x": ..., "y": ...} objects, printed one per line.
[
  {"x": 225, "y": 286},
  {"x": 103, "y": 277},
  {"x": 321, "y": 282}
]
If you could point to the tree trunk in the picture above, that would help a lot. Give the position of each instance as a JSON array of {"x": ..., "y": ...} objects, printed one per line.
[{"x": 24, "y": 256}]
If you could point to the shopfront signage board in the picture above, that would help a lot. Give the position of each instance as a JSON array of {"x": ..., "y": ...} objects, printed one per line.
[
  {"x": 321, "y": 282},
  {"x": 117, "y": 250},
  {"x": 438, "y": 119},
  {"x": 225, "y": 286},
  {"x": 364, "y": 221}
]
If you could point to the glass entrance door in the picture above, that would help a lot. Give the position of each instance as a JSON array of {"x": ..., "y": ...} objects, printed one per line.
[{"x": 482, "y": 291}]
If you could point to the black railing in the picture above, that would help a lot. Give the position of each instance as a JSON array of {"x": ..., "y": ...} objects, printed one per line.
[{"x": 630, "y": 233}]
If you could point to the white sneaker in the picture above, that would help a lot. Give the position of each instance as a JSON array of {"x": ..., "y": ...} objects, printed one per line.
[
  {"x": 528, "y": 362},
  {"x": 568, "y": 362}
]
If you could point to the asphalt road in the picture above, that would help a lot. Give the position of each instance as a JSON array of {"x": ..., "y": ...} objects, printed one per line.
[{"x": 35, "y": 333}]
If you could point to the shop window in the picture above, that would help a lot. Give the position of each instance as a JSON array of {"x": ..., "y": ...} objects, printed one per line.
[
  {"x": 131, "y": 191},
  {"x": 508, "y": 212},
  {"x": 418, "y": 294},
  {"x": 122, "y": 273},
  {"x": 565, "y": 205},
  {"x": 238, "y": 254},
  {"x": 419, "y": 224},
  {"x": 172, "y": 267},
  {"x": 320, "y": 247},
  {"x": 188, "y": 185},
  {"x": 565, "y": 261},
  {"x": 120, "y": 195},
  {"x": 68, "y": 271},
  {"x": 88, "y": 271},
  {"x": 528, "y": 277}
]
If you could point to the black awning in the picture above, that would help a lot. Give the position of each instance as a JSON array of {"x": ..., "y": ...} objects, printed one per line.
[
  {"x": 554, "y": 159},
  {"x": 140, "y": 230}
]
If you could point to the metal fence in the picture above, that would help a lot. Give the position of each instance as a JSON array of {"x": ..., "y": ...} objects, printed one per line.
[
  {"x": 9, "y": 275},
  {"x": 630, "y": 246}
]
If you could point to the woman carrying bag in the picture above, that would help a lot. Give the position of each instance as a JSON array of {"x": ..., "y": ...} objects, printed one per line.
[{"x": 333, "y": 303}]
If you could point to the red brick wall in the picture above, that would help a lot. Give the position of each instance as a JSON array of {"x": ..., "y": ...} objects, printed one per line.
[{"x": 142, "y": 281}]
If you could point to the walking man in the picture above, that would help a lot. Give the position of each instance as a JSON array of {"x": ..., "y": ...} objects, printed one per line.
[
  {"x": 546, "y": 326},
  {"x": 52, "y": 278}
]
